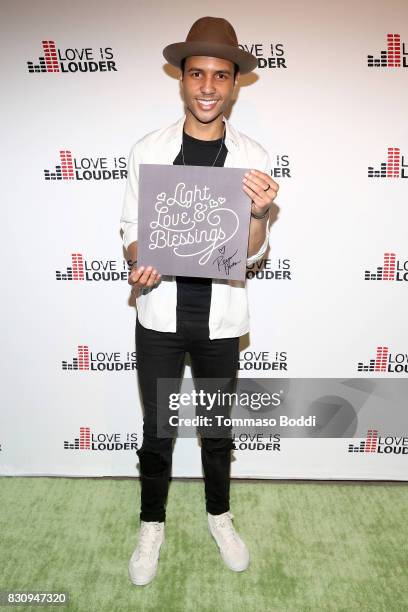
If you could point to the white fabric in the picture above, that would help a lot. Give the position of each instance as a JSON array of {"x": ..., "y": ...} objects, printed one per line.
[{"x": 229, "y": 316}]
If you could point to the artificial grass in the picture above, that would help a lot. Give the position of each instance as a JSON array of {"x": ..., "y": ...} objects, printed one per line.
[{"x": 314, "y": 546}]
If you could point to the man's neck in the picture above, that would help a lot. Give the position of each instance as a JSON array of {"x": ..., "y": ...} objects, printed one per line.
[{"x": 204, "y": 131}]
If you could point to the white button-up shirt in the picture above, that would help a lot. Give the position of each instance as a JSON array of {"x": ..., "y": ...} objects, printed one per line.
[{"x": 156, "y": 306}]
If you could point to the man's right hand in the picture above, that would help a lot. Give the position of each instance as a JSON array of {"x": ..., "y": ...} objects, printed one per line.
[{"x": 143, "y": 277}]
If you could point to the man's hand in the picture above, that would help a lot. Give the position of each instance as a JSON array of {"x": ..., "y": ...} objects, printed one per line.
[
  {"x": 143, "y": 277},
  {"x": 261, "y": 188}
]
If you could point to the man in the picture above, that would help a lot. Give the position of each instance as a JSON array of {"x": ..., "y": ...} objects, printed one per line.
[{"x": 204, "y": 317}]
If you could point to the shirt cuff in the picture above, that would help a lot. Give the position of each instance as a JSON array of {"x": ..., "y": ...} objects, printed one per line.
[
  {"x": 260, "y": 253},
  {"x": 129, "y": 235}
]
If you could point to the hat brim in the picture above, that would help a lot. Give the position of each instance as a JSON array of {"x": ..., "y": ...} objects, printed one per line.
[{"x": 177, "y": 51}]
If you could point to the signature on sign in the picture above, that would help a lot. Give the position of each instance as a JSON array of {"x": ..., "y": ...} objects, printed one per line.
[{"x": 225, "y": 262}]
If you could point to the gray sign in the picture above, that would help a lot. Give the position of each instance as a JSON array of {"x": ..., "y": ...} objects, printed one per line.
[{"x": 193, "y": 221}]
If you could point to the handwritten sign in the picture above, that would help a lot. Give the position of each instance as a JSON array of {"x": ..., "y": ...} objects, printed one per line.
[{"x": 193, "y": 221}]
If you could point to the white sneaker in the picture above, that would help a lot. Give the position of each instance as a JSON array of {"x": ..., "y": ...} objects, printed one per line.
[
  {"x": 144, "y": 560},
  {"x": 233, "y": 550}
]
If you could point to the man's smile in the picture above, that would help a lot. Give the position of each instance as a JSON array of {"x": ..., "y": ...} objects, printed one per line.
[{"x": 207, "y": 103}]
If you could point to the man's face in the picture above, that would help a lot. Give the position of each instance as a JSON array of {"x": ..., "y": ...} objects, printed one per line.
[{"x": 208, "y": 85}]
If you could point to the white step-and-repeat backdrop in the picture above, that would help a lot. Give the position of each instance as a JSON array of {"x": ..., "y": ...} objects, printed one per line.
[{"x": 81, "y": 83}]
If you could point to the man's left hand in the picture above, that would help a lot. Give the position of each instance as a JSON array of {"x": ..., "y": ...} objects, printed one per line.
[{"x": 261, "y": 188}]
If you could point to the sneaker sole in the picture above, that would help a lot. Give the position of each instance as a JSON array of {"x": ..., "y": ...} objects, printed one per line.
[{"x": 138, "y": 582}]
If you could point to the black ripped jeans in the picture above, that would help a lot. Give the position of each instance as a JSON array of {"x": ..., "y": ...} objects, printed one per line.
[{"x": 162, "y": 355}]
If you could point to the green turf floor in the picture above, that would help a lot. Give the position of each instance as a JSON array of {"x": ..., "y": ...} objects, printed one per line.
[{"x": 314, "y": 546}]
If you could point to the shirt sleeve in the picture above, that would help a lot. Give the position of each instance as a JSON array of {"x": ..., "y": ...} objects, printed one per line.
[
  {"x": 263, "y": 249},
  {"x": 128, "y": 220}
]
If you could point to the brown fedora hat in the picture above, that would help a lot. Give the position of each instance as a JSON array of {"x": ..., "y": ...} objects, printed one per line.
[{"x": 214, "y": 37}]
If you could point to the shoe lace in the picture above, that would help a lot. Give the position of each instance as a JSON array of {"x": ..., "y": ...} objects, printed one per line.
[
  {"x": 148, "y": 536},
  {"x": 224, "y": 522}
]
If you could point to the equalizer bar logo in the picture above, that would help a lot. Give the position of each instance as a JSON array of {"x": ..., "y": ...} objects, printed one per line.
[
  {"x": 394, "y": 167},
  {"x": 47, "y": 62},
  {"x": 379, "y": 364},
  {"x": 385, "y": 272},
  {"x": 81, "y": 443},
  {"x": 395, "y": 56},
  {"x": 369, "y": 445},
  {"x": 64, "y": 170},
  {"x": 72, "y": 168},
  {"x": 81, "y": 361},
  {"x": 75, "y": 271},
  {"x": 393, "y": 269},
  {"x": 383, "y": 445},
  {"x": 55, "y": 59},
  {"x": 385, "y": 361}
]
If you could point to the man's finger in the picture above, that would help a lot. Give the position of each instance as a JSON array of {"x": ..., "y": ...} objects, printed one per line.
[
  {"x": 265, "y": 177},
  {"x": 257, "y": 187},
  {"x": 153, "y": 279},
  {"x": 146, "y": 275},
  {"x": 261, "y": 187},
  {"x": 141, "y": 275},
  {"x": 258, "y": 200},
  {"x": 251, "y": 179},
  {"x": 135, "y": 275},
  {"x": 259, "y": 195}
]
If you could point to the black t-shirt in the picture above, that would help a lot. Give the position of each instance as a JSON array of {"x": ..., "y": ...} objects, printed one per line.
[{"x": 194, "y": 294}]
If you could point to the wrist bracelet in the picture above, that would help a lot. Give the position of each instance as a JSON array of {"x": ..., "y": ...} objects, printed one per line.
[
  {"x": 131, "y": 263},
  {"x": 260, "y": 216}
]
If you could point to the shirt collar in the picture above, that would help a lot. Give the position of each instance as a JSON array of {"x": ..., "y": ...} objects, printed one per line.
[{"x": 231, "y": 137}]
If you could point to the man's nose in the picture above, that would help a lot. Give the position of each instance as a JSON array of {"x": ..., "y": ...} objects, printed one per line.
[{"x": 207, "y": 85}]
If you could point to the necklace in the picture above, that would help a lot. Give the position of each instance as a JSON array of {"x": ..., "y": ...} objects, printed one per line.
[{"x": 219, "y": 151}]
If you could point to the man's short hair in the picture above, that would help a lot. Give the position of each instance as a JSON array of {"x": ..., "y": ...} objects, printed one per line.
[{"x": 183, "y": 62}]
